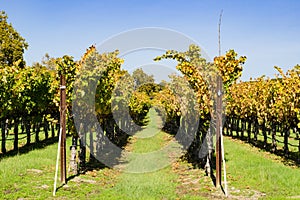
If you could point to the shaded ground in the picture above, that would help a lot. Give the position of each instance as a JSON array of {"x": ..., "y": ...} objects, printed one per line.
[{"x": 251, "y": 173}]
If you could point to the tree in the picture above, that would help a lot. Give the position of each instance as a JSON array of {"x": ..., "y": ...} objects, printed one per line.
[
  {"x": 12, "y": 44},
  {"x": 50, "y": 62},
  {"x": 140, "y": 78}
]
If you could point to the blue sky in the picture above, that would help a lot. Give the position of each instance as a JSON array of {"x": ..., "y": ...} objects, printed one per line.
[{"x": 267, "y": 32}]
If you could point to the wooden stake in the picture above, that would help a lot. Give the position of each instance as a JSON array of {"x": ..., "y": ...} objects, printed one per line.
[
  {"x": 63, "y": 127},
  {"x": 57, "y": 159},
  {"x": 218, "y": 132}
]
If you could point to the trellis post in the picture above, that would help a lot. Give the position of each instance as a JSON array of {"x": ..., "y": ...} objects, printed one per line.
[
  {"x": 63, "y": 170},
  {"x": 218, "y": 132}
]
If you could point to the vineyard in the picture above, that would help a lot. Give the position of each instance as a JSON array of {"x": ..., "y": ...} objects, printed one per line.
[
  {"x": 266, "y": 111},
  {"x": 30, "y": 99},
  {"x": 262, "y": 106},
  {"x": 106, "y": 107},
  {"x": 20, "y": 86}
]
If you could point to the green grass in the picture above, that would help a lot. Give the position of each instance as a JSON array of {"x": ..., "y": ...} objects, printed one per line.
[
  {"x": 9, "y": 143},
  {"x": 249, "y": 167},
  {"x": 293, "y": 141},
  {"x": 154, "y": 185},
  {"x": 150, "y": 138},
  {"x": 31, "y": 175},
  {"x": 25, "y": 175},
  {"x": 251, "y": 173},
  {"x": 157, "y": 179},
  {"x": 291, "y": 159}
]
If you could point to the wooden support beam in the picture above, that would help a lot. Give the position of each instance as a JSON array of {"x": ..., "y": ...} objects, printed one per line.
[
  {"x": 218, "y": 132},
  {"x": 63, "y": 170}
]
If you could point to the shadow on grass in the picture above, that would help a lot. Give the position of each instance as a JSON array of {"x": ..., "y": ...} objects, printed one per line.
[
  {"x": 290, "y": 159},
  {"x": 190, "y": 156},
  {"x": 115, "y": 157},
  {"x": 27, "y": 148}
]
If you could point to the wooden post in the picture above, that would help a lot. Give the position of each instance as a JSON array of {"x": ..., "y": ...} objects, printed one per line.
[
  {"x": 3, "y": 134},
  {"x": 218, "y": 132},
  {"x": 218, "y": 112},
  {"x": 63, "y": 170}
]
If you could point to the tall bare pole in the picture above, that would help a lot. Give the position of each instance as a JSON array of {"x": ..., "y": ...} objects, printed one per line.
[
  {"x": 219, "y": 118},
  {"x": 220, "y": 21},
  {"x": 219, "y": 125},
  {"x": 63, "y": 170}
]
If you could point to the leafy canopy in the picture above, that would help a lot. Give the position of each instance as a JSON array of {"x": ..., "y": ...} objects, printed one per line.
[{"x": 12, "y": 44}]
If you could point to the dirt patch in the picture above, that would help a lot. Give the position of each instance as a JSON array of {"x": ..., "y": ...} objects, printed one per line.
[
  {"x": 36, "y": 171},
  {"x": 43, "y": 187},
  {"x": 81, "y": 180},
  {"x": 129, "y": 145},
  {"x": 194, "y": 182},
  {"x": 168, "y": 137}
]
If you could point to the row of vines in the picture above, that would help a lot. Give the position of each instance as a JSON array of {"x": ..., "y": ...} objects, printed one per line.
[
  {"x": 29, "y": 100},
  {"x": 26, "y": 104},
  {"x": 106, "y": 106},
  {"x": 188, "y": 103},
  {"x": 105, "y": 103},
  {"x": 267, "y": 109}
]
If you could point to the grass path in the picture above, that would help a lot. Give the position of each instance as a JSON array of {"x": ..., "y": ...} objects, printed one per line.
[
  {"x": 252, "y": 169},
  {"x": 147, "y": 173},
  {"x": 149, "y": 170}
]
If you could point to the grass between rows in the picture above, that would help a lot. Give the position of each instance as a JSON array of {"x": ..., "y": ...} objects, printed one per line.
[
  {"x": 9, "y": 143},
  {"x": 293, "y": 141},
  {"x": 251, "y": 173},
  {"x": 250, "y": 167},
  {"x": 150, "y": 179}
]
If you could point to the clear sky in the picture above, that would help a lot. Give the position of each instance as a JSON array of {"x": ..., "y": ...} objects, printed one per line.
[{"x": 266, "y": 31}]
